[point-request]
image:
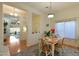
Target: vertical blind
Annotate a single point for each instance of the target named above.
(66, 29)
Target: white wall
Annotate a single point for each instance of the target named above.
(3, 49)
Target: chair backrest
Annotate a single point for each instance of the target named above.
(44, 45)
(61, 43)
(41, 43)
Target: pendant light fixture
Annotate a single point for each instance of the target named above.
(50, 14)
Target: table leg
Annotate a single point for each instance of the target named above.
(52, 49)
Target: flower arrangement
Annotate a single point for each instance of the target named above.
(50, 32)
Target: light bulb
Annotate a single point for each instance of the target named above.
(11, 13)
(50, 16)
(18, 21)
(15, 14)
(24, 29)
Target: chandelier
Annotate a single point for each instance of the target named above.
(50, 14)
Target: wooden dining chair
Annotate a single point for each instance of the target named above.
(45, 47)
(60, 45)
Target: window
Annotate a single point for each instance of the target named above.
(66, 29)
(60, 29)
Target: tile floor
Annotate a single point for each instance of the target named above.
(34, 51)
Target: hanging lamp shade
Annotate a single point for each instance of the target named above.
(50, 14)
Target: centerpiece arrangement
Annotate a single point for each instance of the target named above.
(51, 32)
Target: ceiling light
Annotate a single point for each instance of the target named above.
(11, 13)
(18, 22)
(24, 29)
(16, 14)
(50, 14)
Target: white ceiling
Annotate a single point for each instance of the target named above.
(56, 6)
